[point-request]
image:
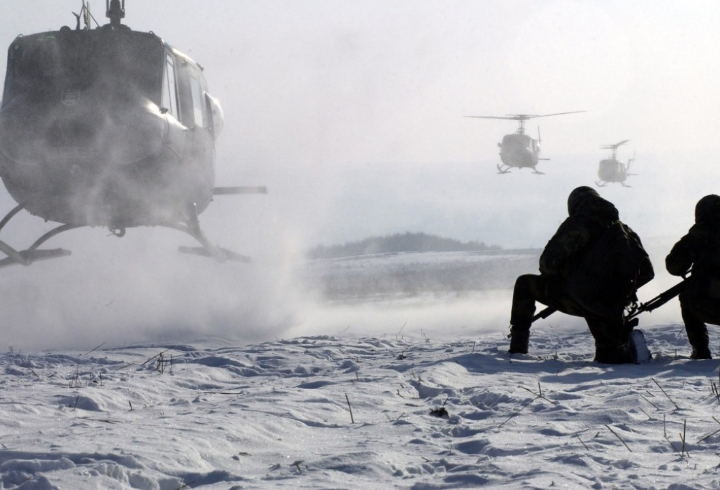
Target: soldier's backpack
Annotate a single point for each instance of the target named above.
(604, 280)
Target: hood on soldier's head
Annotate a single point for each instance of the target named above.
(585, 200)
(579, 197)
(707, 208)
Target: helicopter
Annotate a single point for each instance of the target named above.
(108, 127)
(520, 150)
(611, 169)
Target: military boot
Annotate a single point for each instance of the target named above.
(616, 353)
(697, 334)
(608, 354)
(519, 338)
(701, 352)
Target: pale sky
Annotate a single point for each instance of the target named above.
(351, 112)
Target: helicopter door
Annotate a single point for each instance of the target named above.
(216, 115)
(203, 137)
(199, 147)
(198, 115)
(199, 144)
(176, 131)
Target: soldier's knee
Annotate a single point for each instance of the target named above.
(526, 281)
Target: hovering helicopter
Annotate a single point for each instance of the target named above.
(520, 150)
(613, 170)
(108, 127)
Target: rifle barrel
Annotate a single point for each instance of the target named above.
(659, 300)
(650, 305)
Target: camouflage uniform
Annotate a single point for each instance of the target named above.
(699, 249)
(588, 215)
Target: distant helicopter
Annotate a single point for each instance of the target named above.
(518, 149)
(611, 169)
(108, 127)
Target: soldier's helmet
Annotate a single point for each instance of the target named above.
(579, 197)
(707, 208)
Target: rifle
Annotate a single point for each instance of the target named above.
(543, 314)
(636, 310)
(657, 301)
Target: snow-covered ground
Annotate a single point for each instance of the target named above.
(389, 393)
(212, 415)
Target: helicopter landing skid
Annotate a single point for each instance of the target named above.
(33, 254)
(502, 171)
(227, 254)
(191, 226)
(207, 249)
(28, 257)
(538, 172)
(600, 184)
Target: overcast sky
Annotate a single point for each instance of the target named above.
(352, 111)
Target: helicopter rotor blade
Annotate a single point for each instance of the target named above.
(613, 147)
(561, 113)
(533, 116)
(512, 117)
(494, 117)
(524, 117)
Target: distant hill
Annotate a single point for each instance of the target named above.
(399, 242)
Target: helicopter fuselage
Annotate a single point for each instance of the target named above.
(106, 127)
(519, 150)
(612, 170)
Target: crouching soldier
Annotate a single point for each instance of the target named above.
(699, 249)
(591, 268)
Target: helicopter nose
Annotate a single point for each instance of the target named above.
(85, 134)
(117, 138)
(70, 133)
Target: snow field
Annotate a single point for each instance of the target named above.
(275, 415)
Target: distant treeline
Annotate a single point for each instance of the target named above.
(399, 242)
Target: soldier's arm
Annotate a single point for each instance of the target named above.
(685, 252)
(646, 273)
(572, 236)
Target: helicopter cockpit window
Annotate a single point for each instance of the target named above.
(197, 101)
(528, 142)
(169, 89)
(32, 67)
(116, 65)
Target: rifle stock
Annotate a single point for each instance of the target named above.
(543, 314)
